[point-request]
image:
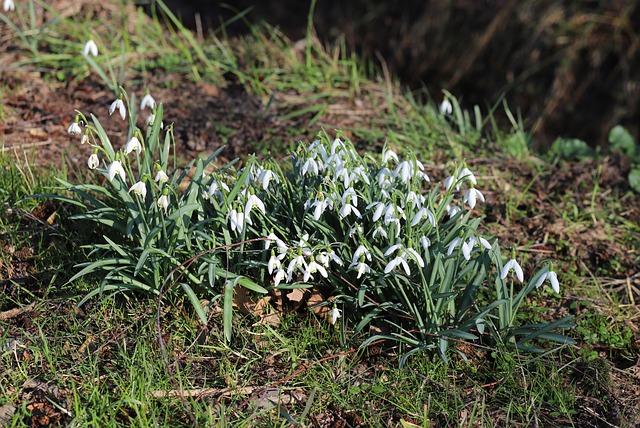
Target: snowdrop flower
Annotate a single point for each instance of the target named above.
(147, 101)
(449, 181)
(358, 173)
(349, 203)
(421, 214)
(446, 107)
(415, 199)
(253, 201)
(151, 118)
(89, 48)
(466, 174)
(265, 176)
(274, 263)
(379, 209)
(362, 268)
(425, 242)
(74, 129)
(379, 231)
(553, 279)
(93, 161)
(327, 256)
(404, 170)
(303, 245)
(279, 243)
(334, 315)
(280, 275)
(236, 220)
(310, 165)
(214, 188)
(473, 241)
(312, 268)
(471, 195)
(116, 168)
(459, 242)
(401, 258)
(452, 210)
(297, 263)
(133, 145)
(118, 104)
(85, 138)
(388, 155)
(512, 264)
(161, 177)
(163, 202)
(139, 189)
(361, 253)
(8, 5)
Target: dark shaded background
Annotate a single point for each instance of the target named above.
(570, 67)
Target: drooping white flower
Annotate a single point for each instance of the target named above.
(471, 196)
(553, 279)
(334, 315)
(282, 247)
(459, 242)
(349, 203)
(378, 211)
(274, 263)
(398, 260)
(89, 48)
(310, 165)
(468, 175)
(151, 118)
(298, 263)
(236, 220)
(93, 161)
(450, 181)
(8, 5)
(74, 129)
(116, 168)
(161, 177)
(446, 107)
(280, 275)
(312, 268)
(133, 145)
(214, 188)
(265, 176)
(401, 258)
(388, 155)
(118, 104)
(404, 170)
(379, 230)
(425, 242)
(327, 256)
(84, 139)
(360, 254)
(416, 200)
(163, 202)
(253, 201)
(479, 240)
(452, 210)
(512, 265)
(139, 189)
(362, 268)
(421, 214)
(147, 101)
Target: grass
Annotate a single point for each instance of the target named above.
(102, 364)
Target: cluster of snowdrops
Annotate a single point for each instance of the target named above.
(383, 242)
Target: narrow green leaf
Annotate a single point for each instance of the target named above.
(195, 302)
